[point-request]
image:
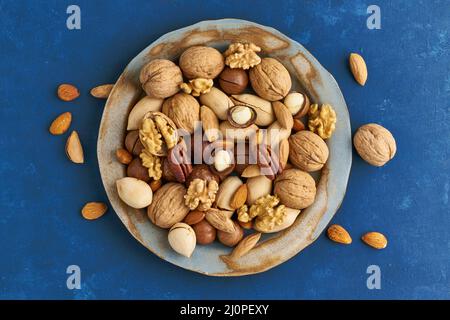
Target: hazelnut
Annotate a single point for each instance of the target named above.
(201, 171)
(204, 232)
(167, 173)
(161, 78)
(295, 188)
(201, 62)
(375, 144)
(230, 239)
(233, 81)
(137, 170)
(307, 151)
(241, 116)
(184, 110)
(133, 144)
(297, 103)
(270, 79)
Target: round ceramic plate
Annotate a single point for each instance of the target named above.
(308, 76)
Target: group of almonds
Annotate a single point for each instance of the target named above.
(375, 145)
(74, 149)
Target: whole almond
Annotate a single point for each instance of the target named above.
(194, 217)
(245, 245)
(93, 210)
(298, 125)
(375, 239)
(123, 156)
(220, 220)
(283, 153)
(283, 115)
(68, 92)
(155, 184)
(358, 68)
(338, 234)
(61, 124)
(210, 123)
(74, 150)
(239, 198)
(102, 92)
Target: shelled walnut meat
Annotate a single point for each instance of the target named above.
(249, 170)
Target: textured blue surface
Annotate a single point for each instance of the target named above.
(41, 192)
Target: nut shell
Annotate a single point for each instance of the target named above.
(230, 239)
(135, 193)
(161, 78)
(182, 239)
(295, 188)
(307, 151)
(233, 81)
(375, 144)
(201, 62)
(168, 205)
(204, 232)
(136, 170)
(133, 144)
(184, 110)
(270, 79)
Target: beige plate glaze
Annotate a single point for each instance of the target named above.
(308, 75)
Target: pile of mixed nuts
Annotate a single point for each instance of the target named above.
(219, 145)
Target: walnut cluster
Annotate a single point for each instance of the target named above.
(158, 133)
(242, 55)
(322, 120)
(265, 211)
(197, 86)
(201, 194)
(152, 163)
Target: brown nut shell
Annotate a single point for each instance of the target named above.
(161, 78)
(270, 79)
(168, 207)
(203, 172)
(230, 239)
(133, 144)
(136, 170)
(201, 62)
(233, 81)
(295, 188)
(375, 144)
(307, 151)
(183, 109)
(204, 232)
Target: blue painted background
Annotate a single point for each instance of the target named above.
(41, 192)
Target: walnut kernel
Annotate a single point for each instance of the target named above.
(152, 163)
(201, 194)
(197, 86)
(242, 55)
(322, 120)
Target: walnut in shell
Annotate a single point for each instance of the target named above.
(375, 144)
(184, 111)
(295, 188)
(161, 78)
(201, 62)
(168, 207)
(307, 151)
(270, 79)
